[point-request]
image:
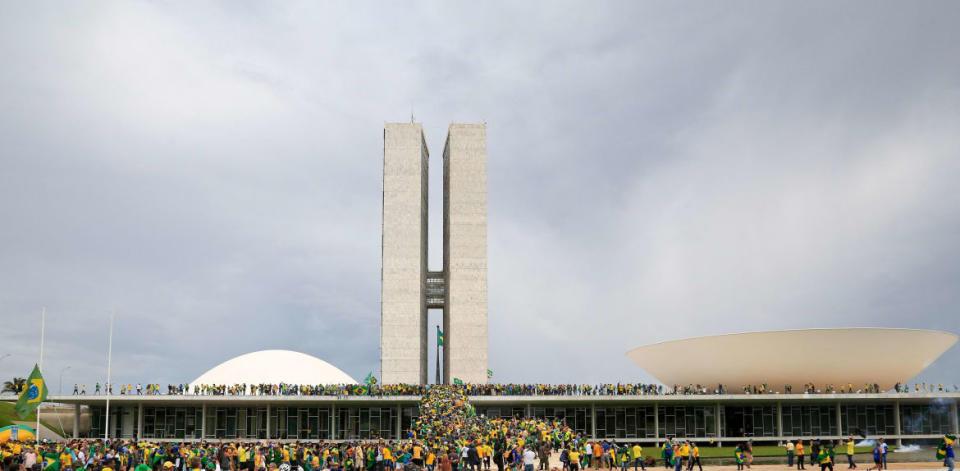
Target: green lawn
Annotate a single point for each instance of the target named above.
(8, 416)
(760, 450)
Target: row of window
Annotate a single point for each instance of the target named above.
(611, 422)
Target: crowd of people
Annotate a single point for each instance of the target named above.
(490, 389)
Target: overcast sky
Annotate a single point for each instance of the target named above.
(212, 171)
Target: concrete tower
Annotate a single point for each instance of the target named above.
(403, 309)
(407, 288)
(465, 253)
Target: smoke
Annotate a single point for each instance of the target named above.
(907, 449)
(941, 406)
(867, 442)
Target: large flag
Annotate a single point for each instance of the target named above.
(51, 461)
(33, 394)
(944, 443)
(370, 379)
(439, 337)
(489, 374)
(457, 381)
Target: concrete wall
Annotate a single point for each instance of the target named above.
(62, 417)
(403, 322)
(465, 253)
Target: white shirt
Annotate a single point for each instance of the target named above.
(528, 457)
(29, 458)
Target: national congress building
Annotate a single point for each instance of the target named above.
(409, 289)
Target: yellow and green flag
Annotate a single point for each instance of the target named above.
(947, 441)
(439, 337)
(33, 394)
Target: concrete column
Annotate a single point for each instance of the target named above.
(140, 421)
(656, 423)
(718, 426)
(529, 410)
(203, 421)
(593, 420)
(333, 422)
(839, 421)
(953, 417)
(76, 420)
(399, 422)
(896, 422)
(780, 421)
(268, 421)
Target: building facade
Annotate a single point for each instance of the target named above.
(408, 289)
(646, 419)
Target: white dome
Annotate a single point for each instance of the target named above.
(274, 367)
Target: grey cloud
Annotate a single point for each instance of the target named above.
(657, 170)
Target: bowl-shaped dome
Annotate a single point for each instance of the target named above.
(274, 367)
(837, 357)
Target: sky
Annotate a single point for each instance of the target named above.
(211, 172)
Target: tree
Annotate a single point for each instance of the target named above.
(14, 386)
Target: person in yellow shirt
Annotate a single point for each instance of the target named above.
(850, 450)
(677, 459)
(66, 459)
(431, 459)
(258, 460)
(574, 456)
(637, 454)
(694, 457)
(243, 457)
(387, 458)
(417, 455)
(800, 453)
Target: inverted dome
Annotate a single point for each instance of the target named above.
(838, 357)
(274, 367)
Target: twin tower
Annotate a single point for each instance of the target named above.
(408, 288)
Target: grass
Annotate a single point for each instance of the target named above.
(707, 451)
(8, 416)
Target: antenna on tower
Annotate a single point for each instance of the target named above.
(411, 114)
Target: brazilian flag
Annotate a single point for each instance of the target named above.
(371, 379)
(439, 337)
(51, 461)
(457, 381)
(362, 391)
(942, 448)
(33, 394)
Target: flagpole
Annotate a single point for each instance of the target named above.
(106, 419)
(438, 354)
(43, 325)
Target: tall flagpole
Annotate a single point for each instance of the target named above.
(43, 324)
(438, 355)
(106, 419)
